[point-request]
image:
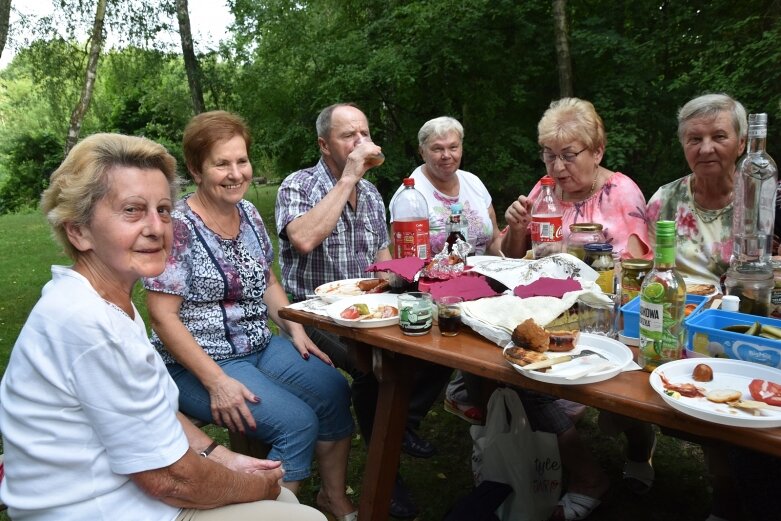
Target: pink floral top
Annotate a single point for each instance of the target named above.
(619, 206)
(704, 241)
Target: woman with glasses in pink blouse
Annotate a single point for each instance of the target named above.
(572, 137)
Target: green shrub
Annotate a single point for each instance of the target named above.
(28, 161)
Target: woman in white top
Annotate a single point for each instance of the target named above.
(88, 412)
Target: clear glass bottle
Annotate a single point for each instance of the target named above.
(581, 234)
(662, 304)
(410, 226)
(546, 225)
(750, 275)
(456, 228)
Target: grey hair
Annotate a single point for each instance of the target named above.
(439, 127)
(323, 123)
(710, 105)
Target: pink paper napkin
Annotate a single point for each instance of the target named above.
(467, 286)
(547, 287)
(406, 268)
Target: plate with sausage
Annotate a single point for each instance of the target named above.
(339, 289)
(727, 392)
(365, 311)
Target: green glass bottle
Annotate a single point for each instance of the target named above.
(662, 304)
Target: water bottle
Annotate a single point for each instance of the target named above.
(546, 225)
(456, 228)
(409, 212)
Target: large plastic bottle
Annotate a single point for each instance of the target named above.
(546, 226)
(409, 211)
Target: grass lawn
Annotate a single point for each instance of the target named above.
(681, 491)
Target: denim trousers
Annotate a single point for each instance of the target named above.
(301, 401)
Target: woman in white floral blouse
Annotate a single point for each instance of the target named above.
(712, 130)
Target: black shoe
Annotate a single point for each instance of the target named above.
(402, 505)
(416, 446)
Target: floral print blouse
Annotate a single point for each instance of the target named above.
(222, 282)
(704, 243)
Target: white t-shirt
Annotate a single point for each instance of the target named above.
(85, 401)
(475, 200)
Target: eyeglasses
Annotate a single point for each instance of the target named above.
(567, 157)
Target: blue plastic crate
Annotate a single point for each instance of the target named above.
(704, 337)
(631, 313)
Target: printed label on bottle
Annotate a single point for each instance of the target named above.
(546, 228)
(411, 239)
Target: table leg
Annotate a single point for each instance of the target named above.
(390, 418)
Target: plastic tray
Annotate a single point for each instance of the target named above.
(631, 313)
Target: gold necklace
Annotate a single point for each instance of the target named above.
(221, 232)
(707, 215)
(590, 192)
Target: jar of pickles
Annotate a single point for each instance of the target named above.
(632, 274)
(581, 234)
(599, 255)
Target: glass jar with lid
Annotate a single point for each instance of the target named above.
(632, 274)
(581, 234)
(599, 255)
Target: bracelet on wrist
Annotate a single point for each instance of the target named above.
(208, 450)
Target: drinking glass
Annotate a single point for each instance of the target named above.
(598, 315)
(449, 315)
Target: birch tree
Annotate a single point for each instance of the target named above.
(188, 53)
(5, 13)
(96, 44)
(563, 57)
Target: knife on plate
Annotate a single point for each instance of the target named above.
(560, 360)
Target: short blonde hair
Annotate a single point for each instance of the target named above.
(439, 127)
(81, 180)
(572, 119)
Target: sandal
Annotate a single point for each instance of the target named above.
(639, 475)
(577, 506)
(466, 412)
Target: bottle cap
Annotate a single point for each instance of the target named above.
(547, 181)
(730, 302)
(757, 119)
(408, 181)
(455, 208)
(665, 230)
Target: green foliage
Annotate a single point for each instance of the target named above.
(28, 162)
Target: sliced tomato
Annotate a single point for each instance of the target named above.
(350, 313)
(764, 391)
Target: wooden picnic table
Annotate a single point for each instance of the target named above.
(391, 353)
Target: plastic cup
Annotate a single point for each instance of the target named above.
(449, 315)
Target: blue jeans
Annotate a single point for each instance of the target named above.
(301, 401)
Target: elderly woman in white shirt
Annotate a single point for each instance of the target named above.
(89, 414)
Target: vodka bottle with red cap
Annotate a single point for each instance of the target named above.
(409, 216)
(546, 225)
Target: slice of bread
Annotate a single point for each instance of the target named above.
(723, 395)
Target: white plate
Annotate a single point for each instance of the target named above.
(339, 289)
(372, 300)
(727, 374)
(617, 354)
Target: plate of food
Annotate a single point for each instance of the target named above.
(365, 311)
(565, 357)
(727, 392)
(697, 288)
(339, 289)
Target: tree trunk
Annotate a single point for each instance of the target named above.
(190, 61)
(77, 116)
(563, 58)
(5, 14)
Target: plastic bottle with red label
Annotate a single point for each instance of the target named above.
(546, 225)
(410, 227)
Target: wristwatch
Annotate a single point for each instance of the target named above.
(208, 450)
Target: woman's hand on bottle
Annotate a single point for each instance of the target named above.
(518, 214)
(229, 399)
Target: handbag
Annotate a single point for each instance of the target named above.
(507, 450)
